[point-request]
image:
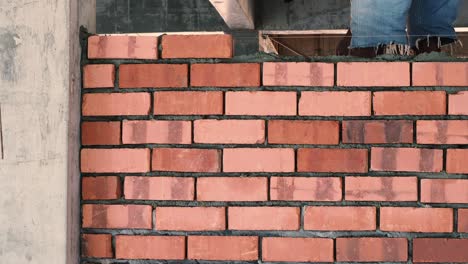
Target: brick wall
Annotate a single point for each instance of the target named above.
(221, 160)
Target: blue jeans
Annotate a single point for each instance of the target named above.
(378, 22)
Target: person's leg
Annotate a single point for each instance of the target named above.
(375, 23)
(431, 23)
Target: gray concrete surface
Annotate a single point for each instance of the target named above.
(39, 101)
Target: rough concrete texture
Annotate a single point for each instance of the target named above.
(39, 87)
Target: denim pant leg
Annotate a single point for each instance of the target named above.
(432, 18)
(376, 22)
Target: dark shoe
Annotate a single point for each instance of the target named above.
(431, 44)
(342, 49)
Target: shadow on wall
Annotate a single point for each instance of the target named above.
(8, 44)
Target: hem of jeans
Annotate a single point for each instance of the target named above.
(388, 49)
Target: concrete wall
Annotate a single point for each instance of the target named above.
(39, 98)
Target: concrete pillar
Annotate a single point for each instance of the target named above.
(39, 104)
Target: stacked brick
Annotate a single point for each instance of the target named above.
(272, 161)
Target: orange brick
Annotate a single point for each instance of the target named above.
(456, 161)
(410, 103)
(305, 189)
(298, 74)
(438, 250)
(98, 76)
(303, 132)
(229, 189)
(153, 75)
(225, 75)
(408, 219)
(263, 218)
(186, 160)
(297, 249)
(229, 131)
(381, 189)
(440, 74)
(335, 104)
(117, 216)
(157, 132)
(444, 191)
(370, 249)
(442, 132)
(188, 103)
(331, 218)
(372, 74)
(457, 103)
(101, 188)
(197, 46)
(261, 103)
(332, 160)
(122, 47)
(150, 247)
(463, 220)
(100, 133)
(116, 104)
(377, 132)
(406, 159)
(159, 188)
(96, 246)
(115, 160)
(242, 248)
(190, 218)
(258, 160)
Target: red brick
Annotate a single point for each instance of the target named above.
(408, 219)
(406, 159)
(159, 188)
(305, 189)
(225, 75)
(332, 160)
(188, 103)
(335, 104)
(463, 220)
(444, 191)
(457, 103)
(153, 75)
(440, 74)
(115, 160)
(186, 160)
(116, 104)
(96, 246)
(370, 249)
(437, 250)
(264, 218)
(197, 46)
(377, 132)
(456, 161)
(100, 133)
(150, 247)
(157, 132)
(229, 131)
(382, 189)
(410, 103)
(229, 189)
(117, 216)
(331, 218)
(261, 103)
(442, 132)
(303, 132)
(297, 249)
(242, 248)
(371, 74)
(298, 74)
(98, 76)
(258, 160)
(122, 47)
(190, 218)
(101, 188)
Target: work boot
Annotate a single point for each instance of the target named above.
(342, 49)
(431, 44)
